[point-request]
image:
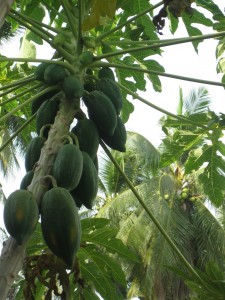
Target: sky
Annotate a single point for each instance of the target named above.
(181, 60)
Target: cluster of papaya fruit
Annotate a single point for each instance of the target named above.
(74, 173)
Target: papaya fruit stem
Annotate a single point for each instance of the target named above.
(51, 179)
(152, 217)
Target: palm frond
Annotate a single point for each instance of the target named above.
(197, 101)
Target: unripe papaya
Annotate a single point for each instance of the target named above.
(106, 72)
(101, 111)
(87, 188)
(60, 224)
(112, 91)
(86, 57)
(89, 42)
(20, 215)
(73, 87)
(47, 112)
(40, 70)
(118, 140)
(38, 101)
(68, 166)
(54, 74)
(33, 152)
(26, 180)
(88, 136)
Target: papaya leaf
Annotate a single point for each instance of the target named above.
(99, 10)
(88, 224)
(210, 158)
(93, 273)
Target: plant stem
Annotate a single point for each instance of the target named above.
(159, 108)
(167, 42)
(136, 69)
(14, 110)
(28, 79)
(157, 45)
(80, 17)
(70, 18)
(40, 60)
(154, 220)
(33, 23)
(14, 135)
(63, 52)
(21, 94)
(104, 35)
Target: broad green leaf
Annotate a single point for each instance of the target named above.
(94, 274)
(173, 22)
(89, 224)
(99, 10)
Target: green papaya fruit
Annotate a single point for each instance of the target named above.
(26, 180)
(38, 101)
(112, 91)
(33, 152)
(87, 189)
(101, 111)
(86, 57)
(40, 70)
(73, 87)
(54, 74)
(68, 166)
(47, 112)
(60, 224)
(118, 140)
(88, 136)
(20, 215)
(106, 72)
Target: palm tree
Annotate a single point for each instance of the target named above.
(177, 201)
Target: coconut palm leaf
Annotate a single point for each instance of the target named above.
(196, 102)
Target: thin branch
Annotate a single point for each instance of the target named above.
(14, 135)
(70, 18)
(18, 95)
(40, 60)
(79, 37)
(14, 110)
(104, 35)
(136, 69)
(159, 108)
(63, 52)
(33, 23)
(152, 217)
(157, 45)
(167, 42)
(21, 94)
(27, 80)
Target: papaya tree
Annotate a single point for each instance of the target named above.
(103, 53)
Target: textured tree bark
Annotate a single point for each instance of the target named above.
(4, 8)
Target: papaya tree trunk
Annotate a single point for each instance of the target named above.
(4, 8)
(11, 260)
